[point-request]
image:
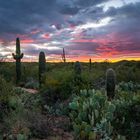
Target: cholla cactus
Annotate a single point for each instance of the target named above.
(42, 66)
(18, 56)
(110, 83)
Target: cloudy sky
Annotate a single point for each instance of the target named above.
(97, 29)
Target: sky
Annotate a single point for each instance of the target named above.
(97, 29)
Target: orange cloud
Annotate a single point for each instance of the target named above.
(35, 31)
(46, 36)
(27, 41)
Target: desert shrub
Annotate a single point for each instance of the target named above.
(29, 70)
(7, 70)
(58, 86)
(127, 116)
(57, 109)
(29, 101)
(31, 83)
(128, 71)
(39, 125)
(6, 92)
(16, 122)
(94, 117)
(130, 87)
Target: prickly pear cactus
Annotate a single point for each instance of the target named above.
(110, 83)
(42, 66)
(93, 116)
(18, 56)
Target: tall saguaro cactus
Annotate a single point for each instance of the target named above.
(64, 56)
(42, 66)
(110, 83)
(18, 56)
(77, 68)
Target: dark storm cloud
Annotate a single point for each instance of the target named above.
(20, 16)
(69, 10)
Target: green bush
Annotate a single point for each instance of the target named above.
(31, 83)
(6, 92)
(58, 86)
(130, 87)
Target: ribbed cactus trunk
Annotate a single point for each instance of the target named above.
(90, 64)
(18, 56)
(42, 67)
(77, 73)
(110, 83)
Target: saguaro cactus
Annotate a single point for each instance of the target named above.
(64, 56)
(77, 73)
(110, 83)
(42, 66)
(77, 68)
(18, 56)
(90, 64)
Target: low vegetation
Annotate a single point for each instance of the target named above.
(83, 101)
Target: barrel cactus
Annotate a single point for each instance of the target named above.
(18, 56)
(110, 83)
(42, 66)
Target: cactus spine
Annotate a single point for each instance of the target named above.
(110, 83)
(64, 56)
(42, 67)
(18, 56)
